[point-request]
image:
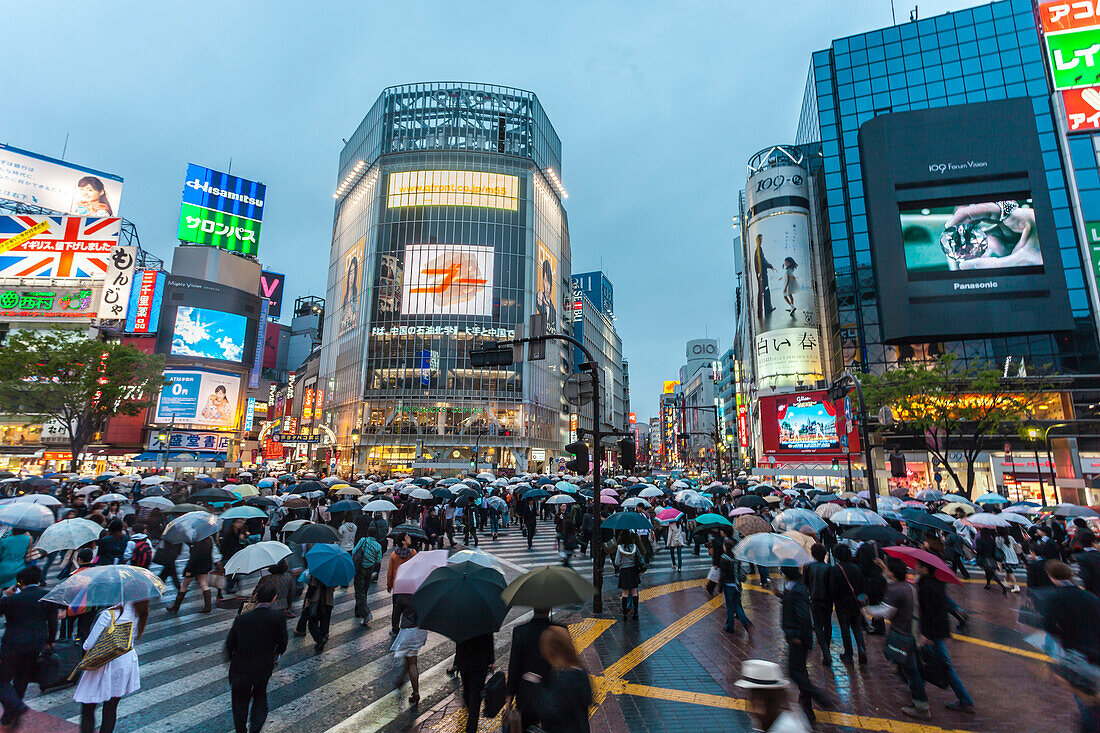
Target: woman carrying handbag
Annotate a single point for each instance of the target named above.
(118, 628)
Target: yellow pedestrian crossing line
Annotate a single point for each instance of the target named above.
(647, 648)
(1003, 648)
(647, 594)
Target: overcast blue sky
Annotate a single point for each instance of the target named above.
(658, 106)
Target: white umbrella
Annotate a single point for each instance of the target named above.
(153, 480)
(650, 492)
(379, 505)
(855, 516)
(680, 485)
(486, 476)
(109, 498)
(294, 525)
(43, 499)
(985, 519)
(561, 499)
(419, 493)
(68, 534)
(1014, 518)
(85, 490)
(476, 557)
(332, 480)
(257, 557)
(24, 515)
(156, 502)
(635, 501)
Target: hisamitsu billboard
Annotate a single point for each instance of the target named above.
(220, 210)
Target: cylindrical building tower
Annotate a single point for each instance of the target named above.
(448, 232)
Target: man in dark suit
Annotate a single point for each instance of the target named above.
(818, 581)
(473, 658)
(1088, 563)
(526, 667)
(30, 627)
(255, 642)
(847, 586)
(1072, 616)
(797, 624)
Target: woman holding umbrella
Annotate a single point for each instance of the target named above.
(401, 554)
(626, 564)
(198, 568)
(108, 684)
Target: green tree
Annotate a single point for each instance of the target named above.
(956, 409)
(78, 381)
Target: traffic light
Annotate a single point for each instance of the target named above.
(579, 465)
(628, 457)
(491, 355)
(897, 465)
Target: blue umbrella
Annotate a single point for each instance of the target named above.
(244, 512)
(266, 483)
(991, 498)
(626, 520)
(346, 505)
(330, 565)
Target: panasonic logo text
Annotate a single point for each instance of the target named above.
(976, 286)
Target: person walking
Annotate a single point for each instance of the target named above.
(527, 667)
(406, 647)
(231, 540)
(565, 691)
(469, 524)
(13, 555)
(256, 641)
(401, 554)
(675, 541)
(899, 605)
(818, 578)
(731, 575)
(316, 615)
(530, 521)
(111, 548)
(847, 589)
(473, 658)
(198, 568)
(1070, 615)
(627, 562)
(367, 558)
(1088, 564)
(283, 585)
(1007, 551)
(29, 627)
(955, 548)
(769, 703)
(797, 625)
(986, 550)
(935, 629)
(166, 555)
(108, 684)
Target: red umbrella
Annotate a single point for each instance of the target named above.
(913, 555)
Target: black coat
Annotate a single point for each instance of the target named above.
(846, 582)
(797, 621)
(1072, 616)
(932, 600)
(818, 576)
(255, 640)
(1088, 566)
(563, 705)
(526, 657)
(29, 624)
(474, 654)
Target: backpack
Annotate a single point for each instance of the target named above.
(143, 554)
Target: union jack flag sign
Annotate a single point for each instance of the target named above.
(72, 246)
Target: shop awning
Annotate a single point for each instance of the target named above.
(177, 459)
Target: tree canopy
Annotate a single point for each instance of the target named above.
(79, 381)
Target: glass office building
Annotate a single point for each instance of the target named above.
(449, 232)
(987, 54)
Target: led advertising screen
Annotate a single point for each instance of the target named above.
(37, 180)
(57, 246)
(961, 226)
(453, 188)
(201, 397)
(806, 424)
(208, 334)
(447, 279)
(221, 210)
(208, 321)
(271, 287)
(954, 239)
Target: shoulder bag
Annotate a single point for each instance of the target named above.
(861, 599)
(116, 640)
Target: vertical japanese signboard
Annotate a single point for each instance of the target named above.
(115, 298)
(143, 313)
(786, 337)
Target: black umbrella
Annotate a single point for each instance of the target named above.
(441, 493)
(346, 505)
(409, 529)
(924, 519)
(262, 502)
(313, 534)
(469, 492)
(213, 494)
(718, 490)
(750, 500)
(535, 494)
(461, 601)
(155, 491)
(305, 486)
(802, 486)
(887, 536)
(422, 481)
(825, 498)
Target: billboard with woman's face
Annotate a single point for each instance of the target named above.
(351, 284)
(546, 286)
(37, 180)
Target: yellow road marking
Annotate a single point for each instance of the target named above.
(647, 594)
(586, 632)
(1002, 648)
(640, 653)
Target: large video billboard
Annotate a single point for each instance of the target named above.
(207, 321)
(221, 210)
(57, 246)
(787, 339)
(30, 178)
(453, 188)
(447, 279)
(200, 397)
(962, 232)
(806, 424)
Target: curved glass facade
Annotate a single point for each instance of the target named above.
(448, 234)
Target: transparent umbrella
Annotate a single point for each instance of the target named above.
(191, 527)
(796, 519)
(43, 499)
(68, 534)
(107, 585)
(23, 515)
(257, 557)
(379, 505)
(850, 517)
(771, 550)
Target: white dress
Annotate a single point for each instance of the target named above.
(118, 677)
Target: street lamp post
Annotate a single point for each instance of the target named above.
(1033, 433)
(867, 455)
(165, 439)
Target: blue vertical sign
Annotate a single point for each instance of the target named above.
(261, 333)
(250, 414)
(425, 368)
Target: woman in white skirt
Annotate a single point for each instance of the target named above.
(408, 643)
(118, 677)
